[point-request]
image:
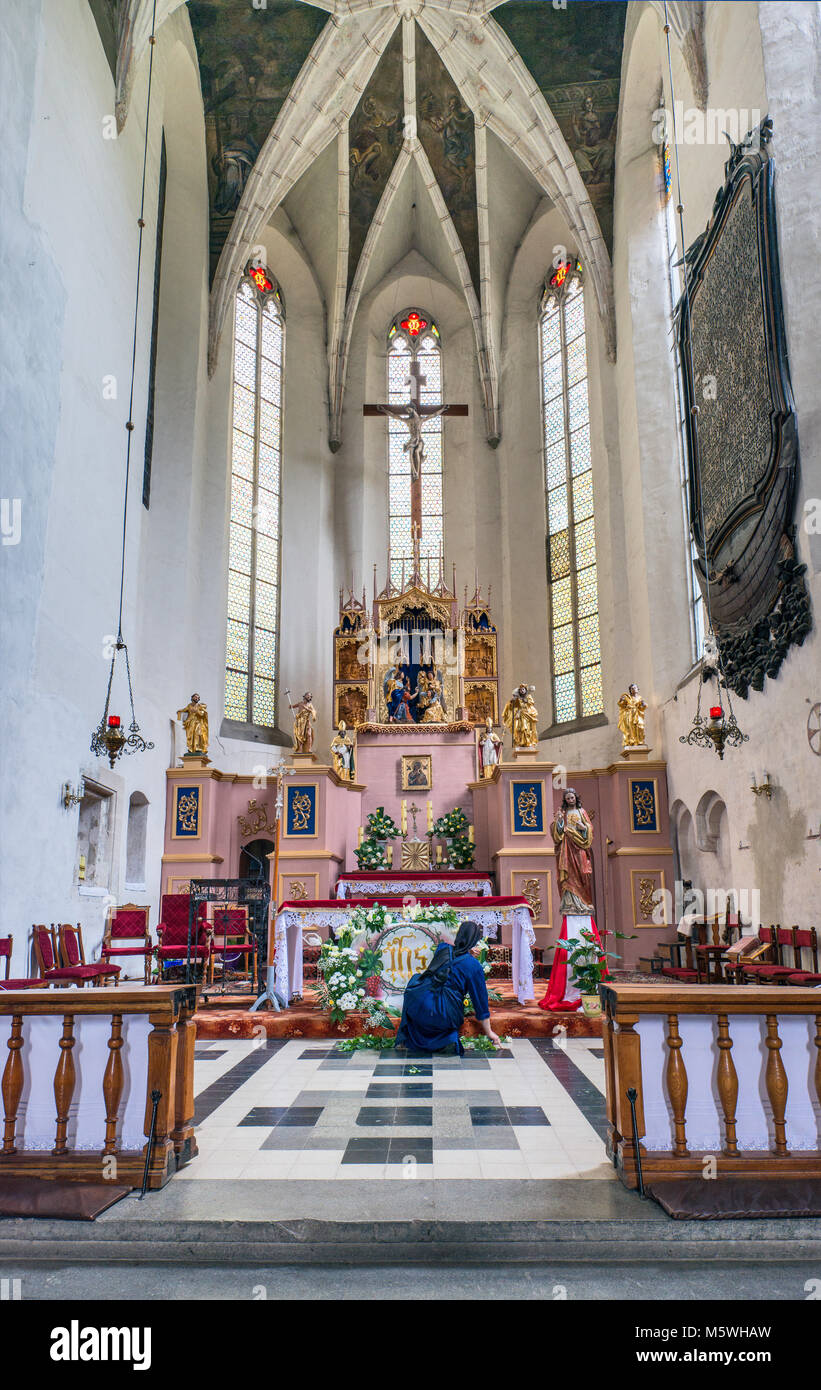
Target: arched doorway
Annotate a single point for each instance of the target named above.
(253, 859)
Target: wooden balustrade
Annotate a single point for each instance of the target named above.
(646, 1046)
(168, 1064)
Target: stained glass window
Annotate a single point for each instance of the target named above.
(414, 342)
(575, 652)
(256, 469)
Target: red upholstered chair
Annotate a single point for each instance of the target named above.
(73, 956)
(6, 943)
(128, 924)
(48, 960)
(805, 939)
(172, 932)
(231, 939)
(674, 970)
(769, 969)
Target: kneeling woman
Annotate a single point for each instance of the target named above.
(433, 1009)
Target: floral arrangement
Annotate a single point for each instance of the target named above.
(380, 826)
(369, 920)
(587, 958)
(446, 917)
(370, 855)
(461, 853)
(453, 825)
(340, 978)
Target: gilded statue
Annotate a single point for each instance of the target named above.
(342, 752)
(631, 718)
(521, 717)
(490, 749)
(572, 833)
(304, 720)
(194, 718)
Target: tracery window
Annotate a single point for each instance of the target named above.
(256, 471)
(575, 651)
(414, 374)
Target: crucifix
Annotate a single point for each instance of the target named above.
(414, 414)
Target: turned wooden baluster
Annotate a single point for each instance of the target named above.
(727, 1083)
(818, 1057)
(12, 1083)
(777, 1085)
(677, 1085)
(113, 1083)
(64, 1081)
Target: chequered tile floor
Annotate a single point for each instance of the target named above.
(295, 1109)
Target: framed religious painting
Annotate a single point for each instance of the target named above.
(417, 772)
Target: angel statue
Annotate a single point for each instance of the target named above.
(342, 752)
(490, 749)
(304, 720)
(521, 717)
(631, 718)
(194, 718)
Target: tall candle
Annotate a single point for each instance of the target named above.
(430, 815)
(404, 820)
(438, 854)
(470, 835)
(389, 853)
(360, 837)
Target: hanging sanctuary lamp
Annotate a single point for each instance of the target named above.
(720, 729)
(110, 739)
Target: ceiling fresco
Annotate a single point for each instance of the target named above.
(249, 59)
(375, 136)
(574, 55)
(447, 136)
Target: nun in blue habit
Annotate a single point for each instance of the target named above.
(433, 1007)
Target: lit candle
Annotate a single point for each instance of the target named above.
(404, 818)
(470, 835)
(114, 721)
(430, 815)
(360, 837)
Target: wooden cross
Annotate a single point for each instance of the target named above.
(414, 414)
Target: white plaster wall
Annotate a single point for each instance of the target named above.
(765, 57)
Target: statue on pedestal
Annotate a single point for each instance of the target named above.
(304, 720)
(342, 752)
(194, 718)
(631, 718)
(521, 717)
(430, 697)
(490, 749)
(572, 833)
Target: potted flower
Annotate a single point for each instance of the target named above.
(587, 961)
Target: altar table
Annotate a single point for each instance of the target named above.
(376, 884)
(293, 918)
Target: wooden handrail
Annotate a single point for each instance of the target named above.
(626, 1006)
(168, 1010)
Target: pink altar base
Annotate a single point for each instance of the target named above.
(209, 822)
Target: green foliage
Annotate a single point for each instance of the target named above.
(461, 853)
(380, 826)
(588, 960)
(483, 1044)
(454, 825)
(370, 856)
(366, 1042)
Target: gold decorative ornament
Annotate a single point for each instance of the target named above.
(297, 892)
(644, 805)
(527, 804)
(416, 855)
(531, 890)
(256, 821)
(521, 717)
(301, 807)
(188, 806)
(194, 718)
(647, 896)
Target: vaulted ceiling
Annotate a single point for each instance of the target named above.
(385, 126)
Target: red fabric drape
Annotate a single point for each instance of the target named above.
(560, 999)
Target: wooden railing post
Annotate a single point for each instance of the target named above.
(113, 1083)
(162, 1075)
(777, 1085)
(182, 1135)
(817, 1057)
(677, 1085)
(727, 1081)
(626, 1075)
(64, 1082)
(12, 1083)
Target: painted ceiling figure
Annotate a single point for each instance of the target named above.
(367, 146)
(594, 152)
(232, 168)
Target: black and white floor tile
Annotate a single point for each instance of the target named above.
(304, 1110)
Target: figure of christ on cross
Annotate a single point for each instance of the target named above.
(414, 414)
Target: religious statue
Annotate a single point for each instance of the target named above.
(631, 718)
(572, 833)
(342, 752)
(194, 718)
(490, 749)
(430, 697)
(304, 720)
(398, 696)
(521, 716)
(414, 418)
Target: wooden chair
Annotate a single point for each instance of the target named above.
(128, 923)
(47, 956)
(769, 968)
(73, 956)
(805, 939)
(172, 933)
(6, 943)
(674, 970)
(231, 939)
